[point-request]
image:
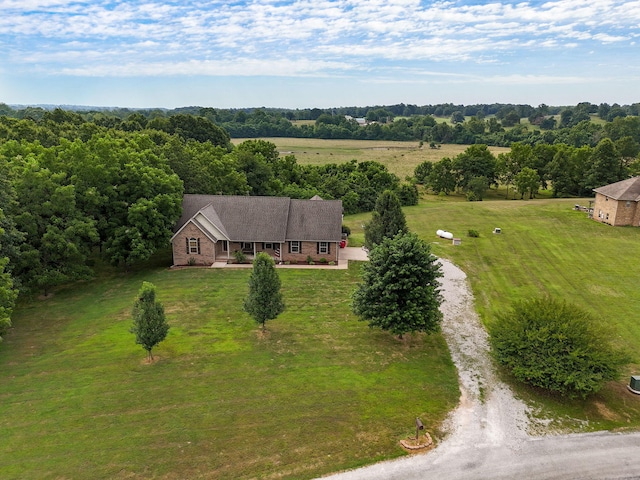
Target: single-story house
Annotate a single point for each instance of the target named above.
(617, 203)
(213, 227)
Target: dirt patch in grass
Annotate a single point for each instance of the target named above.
(151, 361)
(605, 412)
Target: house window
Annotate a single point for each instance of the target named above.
(294, 246)
(323, 248)
(628, 204)
(193, 246)
(225, 246)
(267, 246)
(247, 246)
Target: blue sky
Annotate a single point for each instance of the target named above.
(317, 53)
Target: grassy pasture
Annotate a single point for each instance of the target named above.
(319, 393)
(545, 247)
(400, 158)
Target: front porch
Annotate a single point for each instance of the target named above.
(348, 253)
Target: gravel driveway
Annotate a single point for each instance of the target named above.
(488, 434)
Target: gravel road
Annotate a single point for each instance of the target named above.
(489, 433)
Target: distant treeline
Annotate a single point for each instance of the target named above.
(495, 124)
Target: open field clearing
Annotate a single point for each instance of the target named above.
(400, 158)
(545, 247)
(318, 393)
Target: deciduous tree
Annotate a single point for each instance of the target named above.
(149, 322)
(442, 177)
(7, 297)
(527, 181)
(264, 300)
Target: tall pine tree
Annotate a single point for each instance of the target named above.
(387, 220)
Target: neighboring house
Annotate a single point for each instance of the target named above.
(213, 227)
(617, 203)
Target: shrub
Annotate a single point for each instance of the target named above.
(191, 262)
(346, 230)
(323, 260)
(310, 260)
(556, 346)
(239, 256)
(473, 233)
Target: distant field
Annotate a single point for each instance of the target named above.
(400, 158)
(545, 247)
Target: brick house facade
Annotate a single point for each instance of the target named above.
(213, 227)
(617, 204)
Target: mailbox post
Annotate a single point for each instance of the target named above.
(419, 426)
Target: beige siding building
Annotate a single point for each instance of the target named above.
(617, 204)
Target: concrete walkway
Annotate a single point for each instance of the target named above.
(348, 253)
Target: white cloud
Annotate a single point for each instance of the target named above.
(239, 67)
(316, 35)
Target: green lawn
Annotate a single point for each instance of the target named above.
(321, 391)
(545, 247)
(318, 393)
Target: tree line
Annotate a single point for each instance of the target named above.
(496, 124)
(565, 169)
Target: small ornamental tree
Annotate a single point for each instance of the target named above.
(264, 301)
(386, 220)
(149, 323)
(557, 346)
(400, 291)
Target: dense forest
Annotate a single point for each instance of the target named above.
(76, 184)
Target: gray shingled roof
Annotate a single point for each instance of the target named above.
(267, 219)
(624, 190)
(315, 220)
(253, 219)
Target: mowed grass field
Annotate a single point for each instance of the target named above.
(320, 392)
(546, 247)
(400, 158)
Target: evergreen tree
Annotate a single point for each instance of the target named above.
(399, 290)
(264, 301)
(149, 322)
(387, 220)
